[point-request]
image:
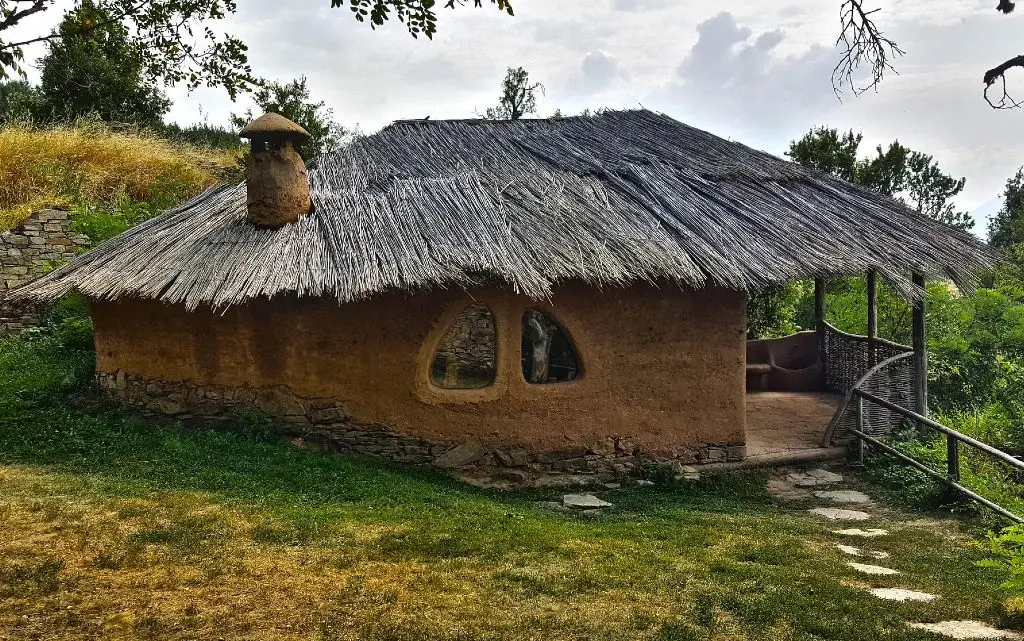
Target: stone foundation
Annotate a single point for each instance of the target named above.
(324, 424)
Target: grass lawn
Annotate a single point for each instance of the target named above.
(115, 529)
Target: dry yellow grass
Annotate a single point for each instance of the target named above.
(89, 162)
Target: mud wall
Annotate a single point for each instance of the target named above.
(662, 369)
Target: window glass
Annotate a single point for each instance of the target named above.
(548, 354)
(466, 357)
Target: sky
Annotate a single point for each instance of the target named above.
(754, 71)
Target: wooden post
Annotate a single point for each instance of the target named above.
(952, 458)
(872, 317)
(920, 352)
(860, 428)
(819, 325)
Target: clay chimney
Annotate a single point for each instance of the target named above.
(277, 189)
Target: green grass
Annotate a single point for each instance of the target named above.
(114, 528)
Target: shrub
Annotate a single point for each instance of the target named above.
(89, 163)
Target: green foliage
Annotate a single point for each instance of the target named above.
(910, 176)
(203, 135)
(826, 150)
(292, 101)
(518, 96)
(95, 67)
(19, 101)
(773, 312)
(417, 15)
(1006, 228)
(102, 222)
(1008, 548)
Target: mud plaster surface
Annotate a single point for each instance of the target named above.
(663, 368)
(785, 422)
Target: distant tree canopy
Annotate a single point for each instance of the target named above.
(518, 96)
(95, 67)
(292, 100)
(177, 43)
(910, 176)
(1006, 228)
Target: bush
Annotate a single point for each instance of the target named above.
(90, 163)
(1008, 549)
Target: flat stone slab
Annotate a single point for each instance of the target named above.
(584, 502)
(856, 551)
(899, 594)
(869, 533)
(966, 630)
(786, 491)
(814, 478)
(872, 569)
(837, 514)
(844, 496)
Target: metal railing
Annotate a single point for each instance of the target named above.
(953, 441)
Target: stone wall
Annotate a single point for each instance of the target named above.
(325, 424)
(34, 247)
(466, 356)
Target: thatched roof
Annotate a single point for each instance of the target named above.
(610, 199)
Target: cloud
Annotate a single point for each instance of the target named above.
(735, 81)
(642, 5)
(599, 70)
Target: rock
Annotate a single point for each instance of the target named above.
(686, 472)
(783, 489)
(899, 594)
(165, 406)
(584, 502)
(855, 551)
(872, 569)
(566, 480)
(277, 401)
(966, 630)
(612, 486)
(836, 514)
(644, 483)
(844, 496)
(814, 478)
(460, 455)
(868, 533)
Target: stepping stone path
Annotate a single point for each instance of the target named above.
(869, 533)
(584, 502)
(966, 630)
(814, 478)
(844, 496)
(872, 569)
(836, 514)
(855, 551)
(789, 489)
(899, 594)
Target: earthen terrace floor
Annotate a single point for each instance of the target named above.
(788, 424)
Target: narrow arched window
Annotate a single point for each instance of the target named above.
(548, 354)
(465, 359)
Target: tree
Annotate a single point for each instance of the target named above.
(95, 67)
(1006, 228)
(518, 96)
(864, 44)
(179, 45)
(910, 176)
(292, 101)
(18, 101)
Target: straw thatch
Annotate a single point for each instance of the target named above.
(615, 198)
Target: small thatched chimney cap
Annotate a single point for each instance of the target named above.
(273, 126)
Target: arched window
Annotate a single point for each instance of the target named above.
(548, 354)
(465, 359)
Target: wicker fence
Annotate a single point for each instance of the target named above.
(881, 367)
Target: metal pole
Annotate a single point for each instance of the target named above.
(872, 317)
(819, 325)
(920, 351)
